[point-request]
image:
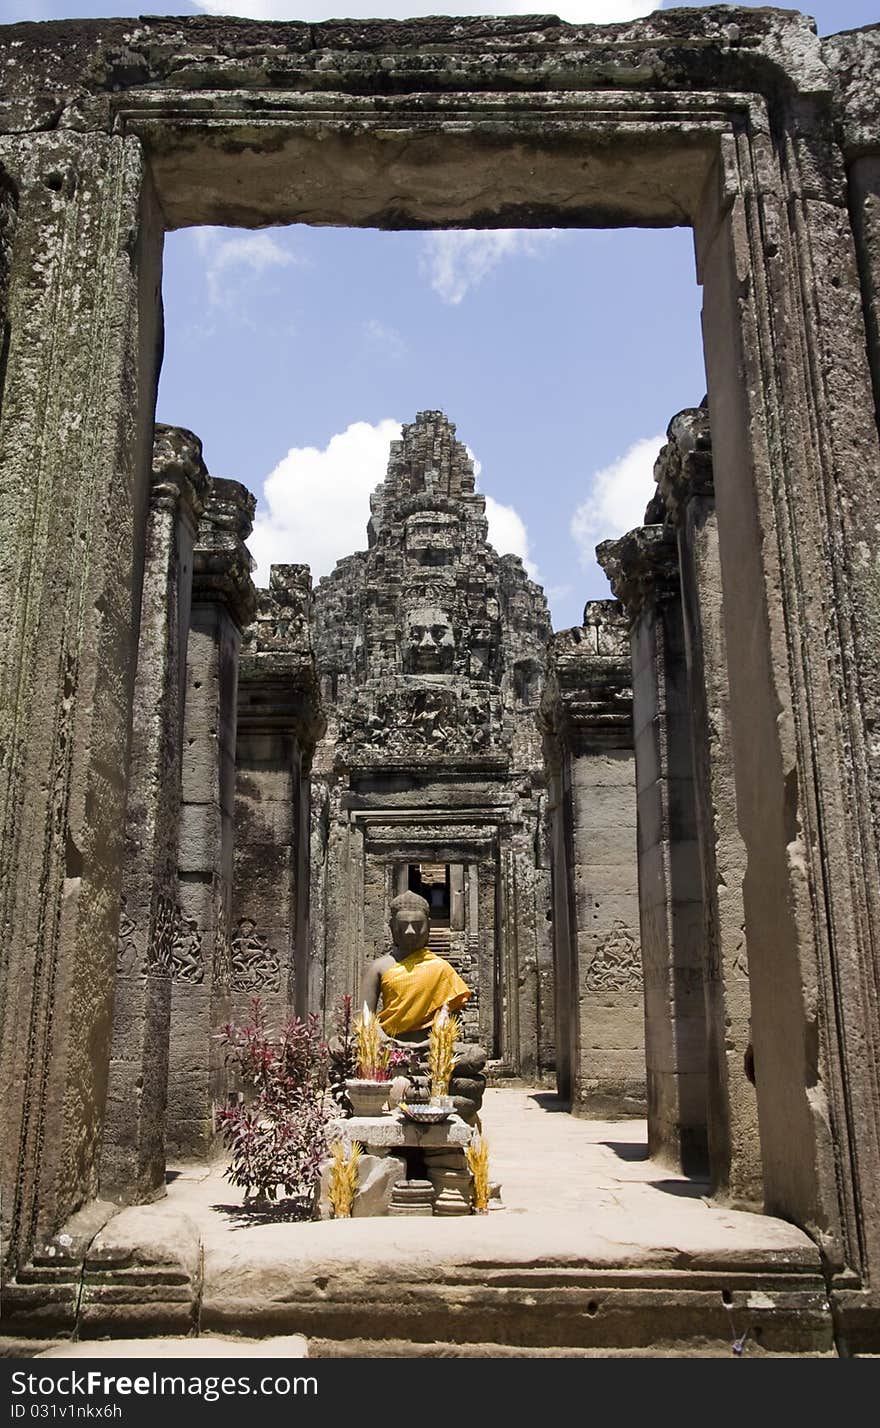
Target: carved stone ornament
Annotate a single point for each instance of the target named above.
(617, 964)
(126, 948)
(221, 968)
(187, 961)
(160, 949)
(416, 720)
(256, 965)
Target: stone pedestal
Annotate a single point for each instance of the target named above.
(133, 1158)
(586, 715)
(446, 1191)
(223, 602)
(412, 1197)
(643, 568)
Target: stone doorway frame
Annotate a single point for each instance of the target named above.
(724, 126)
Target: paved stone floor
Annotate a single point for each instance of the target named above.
(582, 1206)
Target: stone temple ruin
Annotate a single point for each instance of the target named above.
(650, 842)
(430, 651)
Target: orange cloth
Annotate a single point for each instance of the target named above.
(414, 990)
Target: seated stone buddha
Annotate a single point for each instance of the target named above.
(413, 983)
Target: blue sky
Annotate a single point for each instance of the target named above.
(296, 352)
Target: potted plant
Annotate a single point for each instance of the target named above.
(368, 1088)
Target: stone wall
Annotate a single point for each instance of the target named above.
(686, 500)
(222, 604)
(76, 432)
(278, 720)
(586, 713)
(643, 567)
(154, 931)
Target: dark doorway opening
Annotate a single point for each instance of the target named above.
(431, 881)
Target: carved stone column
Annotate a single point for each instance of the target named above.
(78, 355)
(643, 569)
(684, 475)
(133, 1157)
(586, 716)
(223, 603)
(279, 722)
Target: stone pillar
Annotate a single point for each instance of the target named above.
(133, 1156)
(8, 216)
(278, 723)
(484, 876)
(586, 717)
(863, 188)
(80, 351)
(684, 475)
(643, 568)
(223, 602)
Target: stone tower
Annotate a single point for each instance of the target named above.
(430, 651)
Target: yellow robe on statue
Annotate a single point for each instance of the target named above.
(414, 990)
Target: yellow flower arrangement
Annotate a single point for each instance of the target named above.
(441, 1050)
(372, 1053)
(344, 1177)
(477, 1157)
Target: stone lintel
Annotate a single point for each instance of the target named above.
(440, 768)
(683, 469)
(221, 560)
(642, 567)
(179, 477)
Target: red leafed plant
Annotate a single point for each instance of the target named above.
(278, 1139)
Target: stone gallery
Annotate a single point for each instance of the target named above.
(647, 846)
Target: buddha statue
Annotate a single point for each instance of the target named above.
(412, 983)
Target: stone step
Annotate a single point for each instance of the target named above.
(408, 1349)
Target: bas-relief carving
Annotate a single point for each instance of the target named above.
(126, 947)
(616, 965)
(256, 965)
(175, 949)
(160, 947)
(222, 957)
(187, 964)
(414, 720)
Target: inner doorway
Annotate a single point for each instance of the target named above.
(432, 882)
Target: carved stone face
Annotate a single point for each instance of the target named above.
(432, 539)
(430, 643)
(410, 926)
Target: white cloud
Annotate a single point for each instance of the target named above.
(618, 497)
(508, 533)
(576, 11)
(457, 260)
(227, 257)
(383, 340)
(316, 503)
